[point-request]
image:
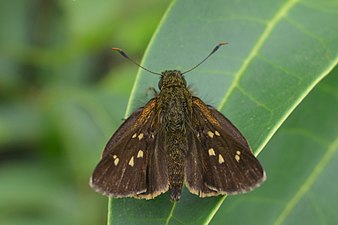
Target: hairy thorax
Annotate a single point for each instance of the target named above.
(176, 107)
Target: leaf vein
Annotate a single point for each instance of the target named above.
(280, 14)
(331, 150)
(251, 98)
(277, 66)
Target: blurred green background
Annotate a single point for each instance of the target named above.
(59, 84)
(63, 92)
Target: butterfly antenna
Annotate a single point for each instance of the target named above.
(212, 52)
(127, 57)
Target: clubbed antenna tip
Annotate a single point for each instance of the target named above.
(212, 52)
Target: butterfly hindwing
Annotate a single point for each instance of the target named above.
(157, 172)
(130, 162)
(219, 160)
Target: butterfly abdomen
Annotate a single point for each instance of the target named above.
(175, 108)
(177, 145)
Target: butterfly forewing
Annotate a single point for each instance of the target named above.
(131, 162)
(219, 160)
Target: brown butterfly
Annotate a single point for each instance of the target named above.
(176, 138)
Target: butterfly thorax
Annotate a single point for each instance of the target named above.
(175, 102)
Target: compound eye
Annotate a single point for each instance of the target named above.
(185, 82)
(160, 83)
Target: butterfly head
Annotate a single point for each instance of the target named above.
(172, 78)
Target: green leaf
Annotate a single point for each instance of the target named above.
(301, 160)
(278, 52)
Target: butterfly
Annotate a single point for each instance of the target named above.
(174, 139)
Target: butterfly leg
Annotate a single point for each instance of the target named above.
(153, 90)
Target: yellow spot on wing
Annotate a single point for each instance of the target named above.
(220, 159)
(116, 161)
(211, 151)
(211, 134)
(140, 154)
(217, 133)
(237, 157)
(140, 136)
(238, 152)
(134, 135)
(114, 156)
(131, 161)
